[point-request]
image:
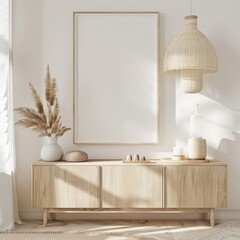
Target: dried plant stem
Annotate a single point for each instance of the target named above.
(49, 124)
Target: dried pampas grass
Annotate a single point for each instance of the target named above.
(45, 123)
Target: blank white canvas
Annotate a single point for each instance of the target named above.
(116, 78)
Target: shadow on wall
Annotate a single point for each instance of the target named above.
(230, 149)
(224, 86)
(222, 131)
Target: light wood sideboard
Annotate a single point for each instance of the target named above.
(112, 186)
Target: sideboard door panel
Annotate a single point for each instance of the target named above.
(196, 187)
(132, 186)
(66, 186)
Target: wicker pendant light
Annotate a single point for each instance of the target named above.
(190, 55)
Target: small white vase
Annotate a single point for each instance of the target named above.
(197, 148)
(51, 150)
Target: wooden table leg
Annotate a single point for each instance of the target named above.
(45, 216)
(212, 217)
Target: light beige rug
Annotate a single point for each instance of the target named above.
(57, 236)
(47, 236)
(70, 236)
(95, 230)
(125, 230)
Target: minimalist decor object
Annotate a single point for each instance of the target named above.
(196, 128)
(141, 161)
(178, 153)
(129, 157)
(197, 148)
(116, 74)
(45, 121)
(76, 156)
(136, 159)
(190, 55)
(51, 150)
(185, 161)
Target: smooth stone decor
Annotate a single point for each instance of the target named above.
(76, 156)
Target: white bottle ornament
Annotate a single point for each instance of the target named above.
(196, 124)
(197, 147)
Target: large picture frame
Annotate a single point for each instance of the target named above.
(116, 77)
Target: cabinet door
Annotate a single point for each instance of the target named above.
(65, 186)
(132, 187)
(195, 186)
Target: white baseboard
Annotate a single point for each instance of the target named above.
(220, 215)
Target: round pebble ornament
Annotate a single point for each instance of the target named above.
(76, 156)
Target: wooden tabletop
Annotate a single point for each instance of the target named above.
(99, 162)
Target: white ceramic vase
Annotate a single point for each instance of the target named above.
(197, 148)
(51, 150)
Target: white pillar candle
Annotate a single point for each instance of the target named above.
(178, 151)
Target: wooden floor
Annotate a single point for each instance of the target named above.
(152, 229)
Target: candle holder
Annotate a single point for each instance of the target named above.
(178, 153)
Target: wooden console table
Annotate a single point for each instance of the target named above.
(112, 186)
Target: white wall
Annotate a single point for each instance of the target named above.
(42, 32)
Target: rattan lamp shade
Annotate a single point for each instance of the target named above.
(190, 55)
